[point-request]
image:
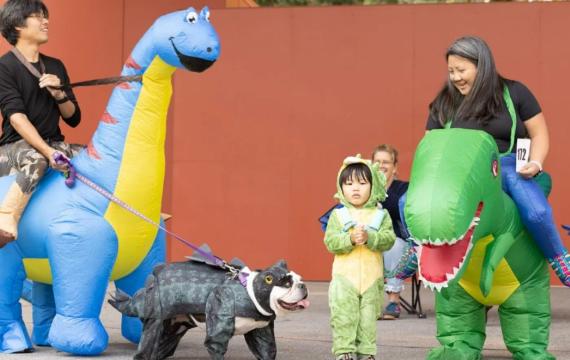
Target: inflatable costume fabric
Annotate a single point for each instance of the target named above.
(475, 249)
(73, 241)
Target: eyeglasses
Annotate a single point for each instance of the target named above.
(384, 162)
(40, 17)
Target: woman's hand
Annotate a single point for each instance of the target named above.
(530, 170)
(538, 133)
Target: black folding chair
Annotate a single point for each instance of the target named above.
(416, 303)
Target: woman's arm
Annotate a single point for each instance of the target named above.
(538, 132)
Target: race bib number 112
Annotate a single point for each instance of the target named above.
(523, 153)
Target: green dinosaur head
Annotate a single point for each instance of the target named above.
(455, 189)
(377, 190)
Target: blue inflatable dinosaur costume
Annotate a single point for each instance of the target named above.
(73, 241)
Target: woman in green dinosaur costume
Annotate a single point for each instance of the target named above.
(475, 96)
(357, 234)
(474, 246)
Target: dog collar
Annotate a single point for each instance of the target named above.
(249, 287)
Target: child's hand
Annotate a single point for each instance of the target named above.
(359, 236)
(364, 236)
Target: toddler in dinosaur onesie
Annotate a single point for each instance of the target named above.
(357, 234)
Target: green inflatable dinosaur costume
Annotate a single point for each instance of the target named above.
(474, 247)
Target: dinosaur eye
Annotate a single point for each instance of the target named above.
(268, 279)
(495, 168)
(192, 17)
(207, 16)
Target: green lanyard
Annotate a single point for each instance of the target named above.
(511, 108)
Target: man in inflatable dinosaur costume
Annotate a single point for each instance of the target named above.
(72, 242)
(474, 249)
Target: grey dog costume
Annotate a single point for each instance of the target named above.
(184, 295)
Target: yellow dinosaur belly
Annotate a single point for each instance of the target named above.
(505, 282)
(140, 179)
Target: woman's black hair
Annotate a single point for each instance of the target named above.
(485, 99)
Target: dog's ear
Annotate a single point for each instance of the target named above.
(282, 264)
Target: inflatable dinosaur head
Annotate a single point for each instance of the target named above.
(455, 189)
(186, 39)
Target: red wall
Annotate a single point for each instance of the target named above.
(259, 137)
(256, 141)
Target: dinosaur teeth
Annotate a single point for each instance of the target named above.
(424, 241)
(454, 272)
(432, 286)
(474, 222)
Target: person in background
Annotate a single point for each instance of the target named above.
(386, 156)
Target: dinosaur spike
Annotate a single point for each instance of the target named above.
(92, 152)
(131, 63)
(108, 119)
(124, 86)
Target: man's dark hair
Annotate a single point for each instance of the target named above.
(14, 14)
(357, 171)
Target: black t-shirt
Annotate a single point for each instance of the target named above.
(395, 192)
(20, 93)
(526, 106)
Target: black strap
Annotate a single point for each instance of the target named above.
(103, 81)
(27, 64)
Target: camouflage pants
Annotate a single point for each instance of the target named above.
(21, 159)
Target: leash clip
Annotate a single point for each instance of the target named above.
(70, 173)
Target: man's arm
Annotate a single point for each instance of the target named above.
(52, 83)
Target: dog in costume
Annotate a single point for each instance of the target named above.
(475, 249)
(197, 293)
(357, 234)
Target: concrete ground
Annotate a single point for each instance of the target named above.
(307, 335)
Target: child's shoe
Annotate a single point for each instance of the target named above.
(561, 266)
(366, 357)
(392, 311)
(345, 356)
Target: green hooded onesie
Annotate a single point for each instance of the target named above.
(356, 288)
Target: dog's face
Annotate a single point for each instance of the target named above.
(280, 290)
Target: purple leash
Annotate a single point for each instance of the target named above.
(72, 174)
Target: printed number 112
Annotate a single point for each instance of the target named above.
(521, 154)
